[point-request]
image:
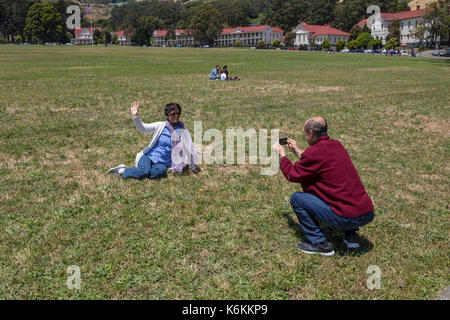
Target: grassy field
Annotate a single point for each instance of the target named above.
(229, 232)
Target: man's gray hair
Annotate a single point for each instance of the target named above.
(316, 127)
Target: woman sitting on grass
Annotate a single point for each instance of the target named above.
(224, 75)
(171, 147)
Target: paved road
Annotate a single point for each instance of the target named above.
(428, 54)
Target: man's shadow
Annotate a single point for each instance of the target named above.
(333, 236)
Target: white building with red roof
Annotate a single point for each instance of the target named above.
(123, 37)
(408, 21)
(306, 34)
(249, 36)
(84, 35)
(182, 38)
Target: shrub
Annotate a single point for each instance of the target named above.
(326, 44)
(238, 44)
(363, 40)
(352, 45)
(392, 43)
(261, 44)
(340, 45)
(18, 39)
(376, 43)
(276, 43)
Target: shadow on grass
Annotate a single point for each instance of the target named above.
(334, 236)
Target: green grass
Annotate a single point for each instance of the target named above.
(228, 233)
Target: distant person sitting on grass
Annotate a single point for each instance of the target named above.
(170, 147)
(332, 189)
(215, 73)
(224, 75)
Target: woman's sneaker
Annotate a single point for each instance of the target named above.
(324, 248)
(115, 170)
(351, 239)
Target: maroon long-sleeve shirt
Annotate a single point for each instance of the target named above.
(326, 170)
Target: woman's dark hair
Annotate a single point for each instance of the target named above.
(170, 107)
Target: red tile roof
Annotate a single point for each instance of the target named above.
(399, 15)
(122, 33)
(404, 14)
(78, 30)
(254, 28)
(316, 30)
(162, 33)
(228, 30)
(362, 23)
(276, 29)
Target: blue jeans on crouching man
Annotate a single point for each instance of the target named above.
(309, 208)
(146, 169)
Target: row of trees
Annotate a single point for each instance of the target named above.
(41, 21)
(35, 21)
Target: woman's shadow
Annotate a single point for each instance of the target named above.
(334, 237)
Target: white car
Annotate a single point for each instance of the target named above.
(345, 50)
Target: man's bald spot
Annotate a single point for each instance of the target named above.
(317, 119)
(318, 125)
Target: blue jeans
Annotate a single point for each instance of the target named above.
(309, 208)
(214, 77)
(145, 169)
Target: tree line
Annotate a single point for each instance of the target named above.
(41, 21)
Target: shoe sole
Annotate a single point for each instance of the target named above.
(327, 254)
(116, 168)
(351, 245)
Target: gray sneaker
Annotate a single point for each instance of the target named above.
(324, 248)
(351, 239)
(115, 170)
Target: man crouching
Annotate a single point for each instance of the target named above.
(333, 191)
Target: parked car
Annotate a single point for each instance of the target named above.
(438, 53)
(345, 50)
(50, 44)
(377, 51)
(447, 53)
(292, 48)
(284, 48)
(206, 46)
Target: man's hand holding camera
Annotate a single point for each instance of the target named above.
(291, 144)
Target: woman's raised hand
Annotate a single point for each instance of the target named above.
(134, 109)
